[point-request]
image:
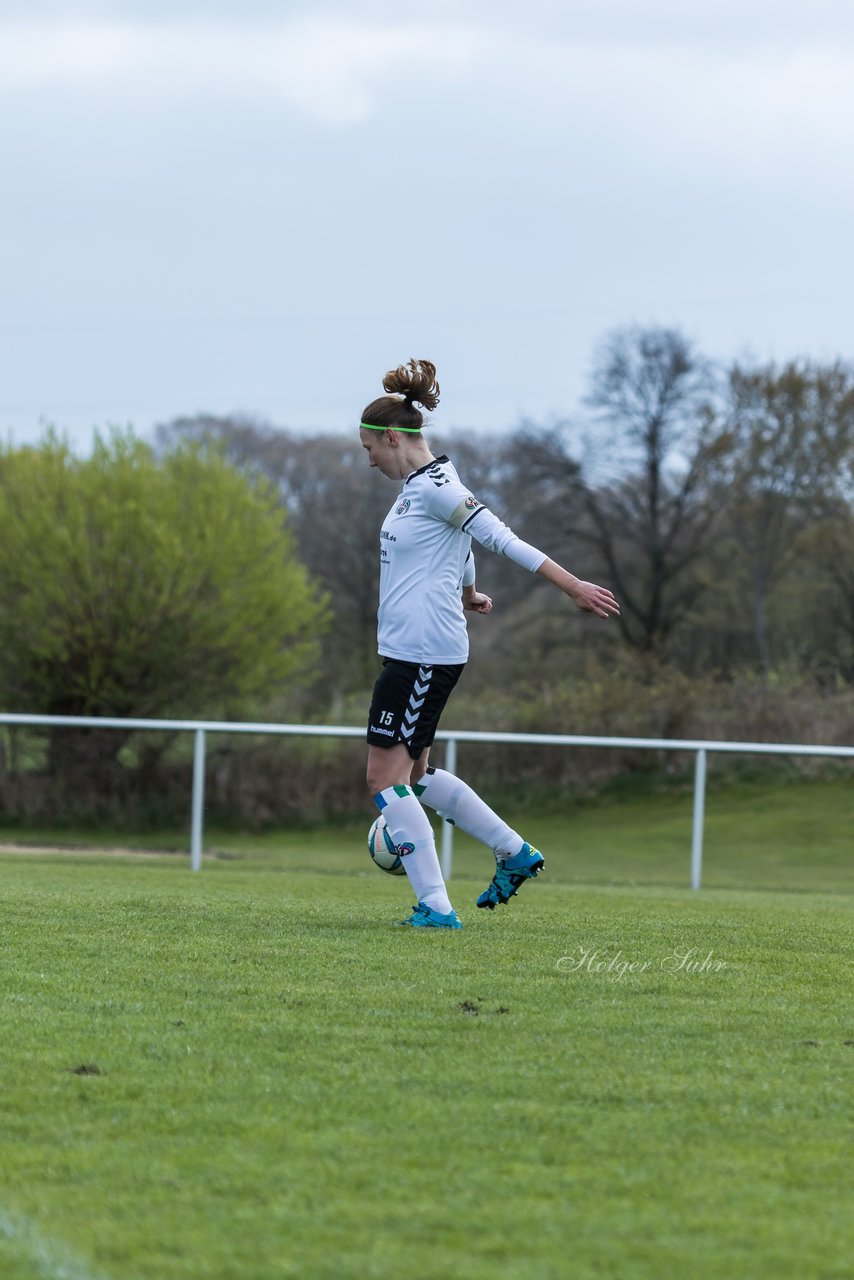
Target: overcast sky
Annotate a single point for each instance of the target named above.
(258, 207)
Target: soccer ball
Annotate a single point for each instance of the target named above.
(382, 849)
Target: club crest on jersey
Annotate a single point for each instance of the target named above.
(471, 502)
(402, 507)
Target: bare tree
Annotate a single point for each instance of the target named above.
(793, 436)
(648, 514)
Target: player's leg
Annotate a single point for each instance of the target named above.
(397, 726)
(418, 768)
(389, 767)
(454, 800)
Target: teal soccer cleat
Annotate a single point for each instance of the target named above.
(510, 874)
(423, 917)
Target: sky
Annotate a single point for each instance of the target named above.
(258, 208)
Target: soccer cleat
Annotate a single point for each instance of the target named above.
(510, 874)
(423, 917)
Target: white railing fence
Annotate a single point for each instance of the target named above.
(450, 737)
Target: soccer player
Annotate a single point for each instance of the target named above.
(427, 581)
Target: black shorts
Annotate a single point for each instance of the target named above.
(407, 702)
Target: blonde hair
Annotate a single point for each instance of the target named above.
(409, 384)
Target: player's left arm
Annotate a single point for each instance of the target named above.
(587, 595)
(486, 528)
(483, 525)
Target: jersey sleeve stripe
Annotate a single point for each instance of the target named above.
(464, 526)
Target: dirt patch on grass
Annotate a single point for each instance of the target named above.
(86, 850)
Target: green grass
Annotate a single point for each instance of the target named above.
(796, 836)
(288, 1087)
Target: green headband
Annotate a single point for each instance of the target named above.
(370, 427)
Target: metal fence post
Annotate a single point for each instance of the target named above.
(699, 812)
(198, 800)
(448, 827)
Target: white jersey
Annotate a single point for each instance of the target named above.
(424, 546)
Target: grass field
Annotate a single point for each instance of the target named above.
(249, 1073)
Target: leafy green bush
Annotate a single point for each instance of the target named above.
(145, 586)
(132, 585)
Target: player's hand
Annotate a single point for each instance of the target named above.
(477, 602)
(593, 599)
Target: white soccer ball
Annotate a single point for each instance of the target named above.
(382, 849)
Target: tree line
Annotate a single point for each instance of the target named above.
(229, 568)
(717, 503)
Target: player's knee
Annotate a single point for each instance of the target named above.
(388, 768)
(383, 773)
(416, 773)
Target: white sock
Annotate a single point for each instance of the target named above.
(452, 798)
(411, 832)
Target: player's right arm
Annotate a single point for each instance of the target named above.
(475, 601)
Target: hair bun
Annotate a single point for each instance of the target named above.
(416, 382)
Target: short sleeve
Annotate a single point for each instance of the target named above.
(447, 498)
